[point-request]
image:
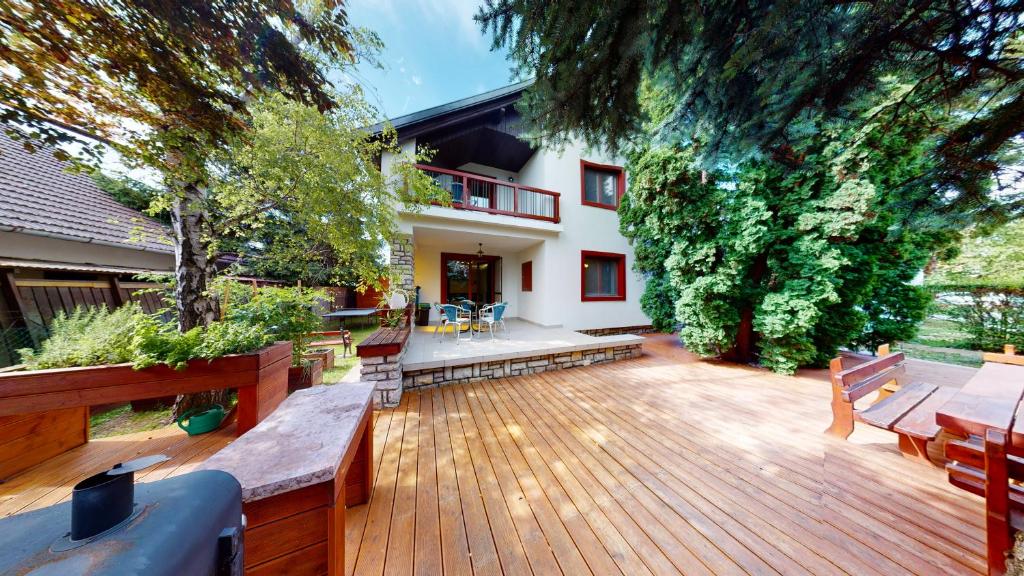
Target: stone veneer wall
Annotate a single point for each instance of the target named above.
(386, 372)
(616, 331)
(517, 366)
(402, 263)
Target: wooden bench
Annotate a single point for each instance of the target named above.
(909, 410)
(299, 469)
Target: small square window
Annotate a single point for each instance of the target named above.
(603, 276)
(528, 276)
(602, 185)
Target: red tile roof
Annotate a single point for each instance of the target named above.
(38, 195)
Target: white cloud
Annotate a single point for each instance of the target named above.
(456, 13)
(417, 80)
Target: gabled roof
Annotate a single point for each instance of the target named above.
(38, 195)
(411, 125)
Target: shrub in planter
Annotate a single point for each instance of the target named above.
(306, 375)
(325, 355)
(97, 336)
(287, 313)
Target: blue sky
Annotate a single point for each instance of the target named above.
(433, 53)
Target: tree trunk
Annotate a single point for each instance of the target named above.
(193, 270)
(744, 348)
(192, 264)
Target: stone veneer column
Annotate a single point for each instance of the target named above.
(386, 373)
(402, 262)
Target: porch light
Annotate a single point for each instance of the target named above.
(480, 251)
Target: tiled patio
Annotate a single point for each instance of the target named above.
(660, 465)
(523, 340)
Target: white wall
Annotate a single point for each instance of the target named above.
(32, 247)
(585, 228)
(555, 299)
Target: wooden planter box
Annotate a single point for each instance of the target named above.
(260, 378)
(326, 355)
(28, 439)
(310, 374)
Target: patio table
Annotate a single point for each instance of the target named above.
(989, 400)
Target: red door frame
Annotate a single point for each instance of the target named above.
(449, 256)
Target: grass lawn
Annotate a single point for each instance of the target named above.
(343, 365)
(123, 421)
(942, 341)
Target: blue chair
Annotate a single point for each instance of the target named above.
(491, 315)
(454, 318)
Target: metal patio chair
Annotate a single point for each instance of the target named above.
(493, 314)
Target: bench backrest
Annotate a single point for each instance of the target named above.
(863, 379)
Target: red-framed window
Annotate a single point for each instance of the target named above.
(528, 276)
(602, 276)
(601, 185)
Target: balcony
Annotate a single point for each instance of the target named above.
(483, 194)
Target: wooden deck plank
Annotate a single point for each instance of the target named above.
(454, 542)
(480, 481)
(428, 521)
(946, 537)
(619, 531)
(373, 544)
(624, 489)
(502, 494)
(657, 465)
(401, 541)
(524, 486)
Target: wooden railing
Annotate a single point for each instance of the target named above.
(483, 194)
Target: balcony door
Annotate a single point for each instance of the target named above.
(470, 277)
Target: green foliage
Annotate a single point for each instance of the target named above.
(94, 336)
(284, 313)
(750, 79)
(302, 196)
(816, 248)
(990, 317)
(87, 337)
(986, 259)
(131, 193)
(157, 343)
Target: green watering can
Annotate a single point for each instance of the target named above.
(202, 420)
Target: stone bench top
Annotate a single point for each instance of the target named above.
(300, 444)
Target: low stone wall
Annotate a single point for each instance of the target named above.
(620, 330)
(517, 366)
(386, 373)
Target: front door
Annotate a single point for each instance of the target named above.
(470, 277)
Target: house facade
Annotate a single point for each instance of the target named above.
(534, 227)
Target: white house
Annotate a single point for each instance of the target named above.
(534, 227)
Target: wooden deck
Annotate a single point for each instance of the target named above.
(51, 482)
(660, 465)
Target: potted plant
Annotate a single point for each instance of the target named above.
(325, 355)
(423, 314)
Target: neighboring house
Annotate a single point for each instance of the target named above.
(64, 242)
(534, 227)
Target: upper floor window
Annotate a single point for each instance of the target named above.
(602, 185)
(603, 276)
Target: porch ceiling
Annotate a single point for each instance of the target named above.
(467, 242)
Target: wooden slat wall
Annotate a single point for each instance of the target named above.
(44, 299)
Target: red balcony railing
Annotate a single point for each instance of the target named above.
(483, 194)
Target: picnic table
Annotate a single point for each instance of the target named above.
(986, 455)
